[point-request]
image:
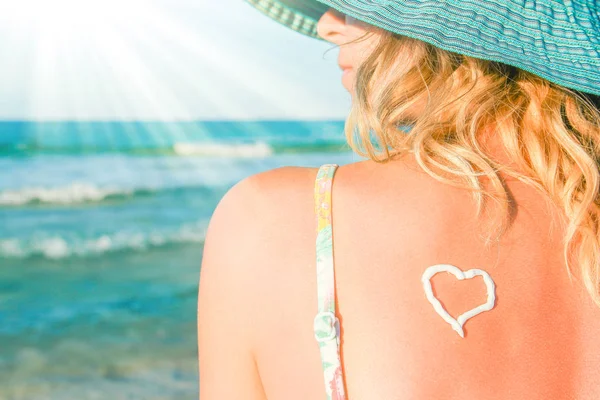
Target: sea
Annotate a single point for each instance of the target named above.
(102, 226)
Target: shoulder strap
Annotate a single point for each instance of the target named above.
(326, 324)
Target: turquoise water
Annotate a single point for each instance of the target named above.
(101, 235)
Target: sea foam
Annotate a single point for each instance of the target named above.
(70, 194)
(58, 247)
(253, 150)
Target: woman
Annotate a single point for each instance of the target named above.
(481, 125)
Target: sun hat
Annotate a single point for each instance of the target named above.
(558, 40)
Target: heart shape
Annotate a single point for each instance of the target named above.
(457, 324)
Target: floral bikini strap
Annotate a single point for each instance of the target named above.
(326, 324)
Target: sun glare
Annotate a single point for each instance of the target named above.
(78, 43)
(66, 15)
(138, 59)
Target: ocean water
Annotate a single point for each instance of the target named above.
(102, 226)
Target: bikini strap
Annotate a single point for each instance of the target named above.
(326, 324)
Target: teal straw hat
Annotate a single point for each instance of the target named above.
(558, 40)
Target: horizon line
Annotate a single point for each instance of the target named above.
(170, 121)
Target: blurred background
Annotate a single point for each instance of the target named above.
(122, 124)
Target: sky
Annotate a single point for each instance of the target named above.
(160, 60)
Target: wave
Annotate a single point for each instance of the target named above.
(209, 138)
(73, 193)
(58, 247)
(83, 193)
(254, 150)
(197, 149)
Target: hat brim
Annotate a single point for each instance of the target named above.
(558, 41)
(299, 15)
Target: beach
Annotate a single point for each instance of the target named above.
(101, 237)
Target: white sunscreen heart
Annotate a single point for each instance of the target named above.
(457, 324)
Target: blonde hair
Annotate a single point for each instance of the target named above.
(551, 134)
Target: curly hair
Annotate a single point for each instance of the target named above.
(551, 134)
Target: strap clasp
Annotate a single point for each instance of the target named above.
(326, 326)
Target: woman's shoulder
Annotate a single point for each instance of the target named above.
(284, 191)
(252, 232)
(265, 201)
(252, 227)
(274, 207)
(261, 187)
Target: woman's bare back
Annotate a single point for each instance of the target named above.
(390, 222)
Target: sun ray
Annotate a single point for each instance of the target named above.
(162, 60)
